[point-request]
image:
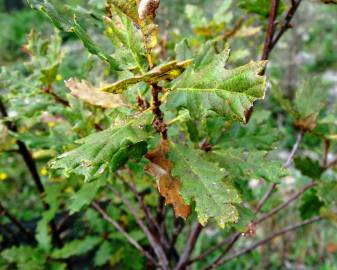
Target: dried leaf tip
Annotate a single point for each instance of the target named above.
(147, 8)
(85, 91)
(168, 186)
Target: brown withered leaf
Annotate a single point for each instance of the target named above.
(86, 92)
(308, 123)
(168, 186)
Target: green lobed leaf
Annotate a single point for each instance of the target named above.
(207, 84)
(204, 182)
(310, 97)
(309, 167)
(103, 253)
(84, 196)
(310, 205)
(76, 247)
(106, 150)
(128, 41)
(51, 197)
(25, 257)
(260, 7)
(246, 165)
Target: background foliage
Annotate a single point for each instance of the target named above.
(89, 146)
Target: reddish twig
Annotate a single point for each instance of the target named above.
(286, 23)
(270, 31)
(271, 38)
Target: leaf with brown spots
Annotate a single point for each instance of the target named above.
(168, 186)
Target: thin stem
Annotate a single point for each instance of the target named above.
(157, 248)
(271, 40)
(268, 239)
(286, 23)
(119, 228)
(271, 29)
(179, 225)
(4, 211)
(327, 144)
(158, 122)
(154, 226)
(286, 203)
(294, 150)
(192, 239)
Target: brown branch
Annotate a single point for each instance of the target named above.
(119, 228)
(292, 198)
(192, 239)
(270, 41)
(270, 31)
(49, 90)
(153, 225)
(267, 239)
(157, 248)
(4, 211)
(179, 225)
(286, 23)
(30, 164)
(327, 145)
(158, 122)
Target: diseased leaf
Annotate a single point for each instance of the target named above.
(249, 164)
(167, 71)
(168, 186)
(207, 84)
(205, 183)
(86, 92)
(106, 150)
(142, 14)
(128, 41)
(308, 123)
